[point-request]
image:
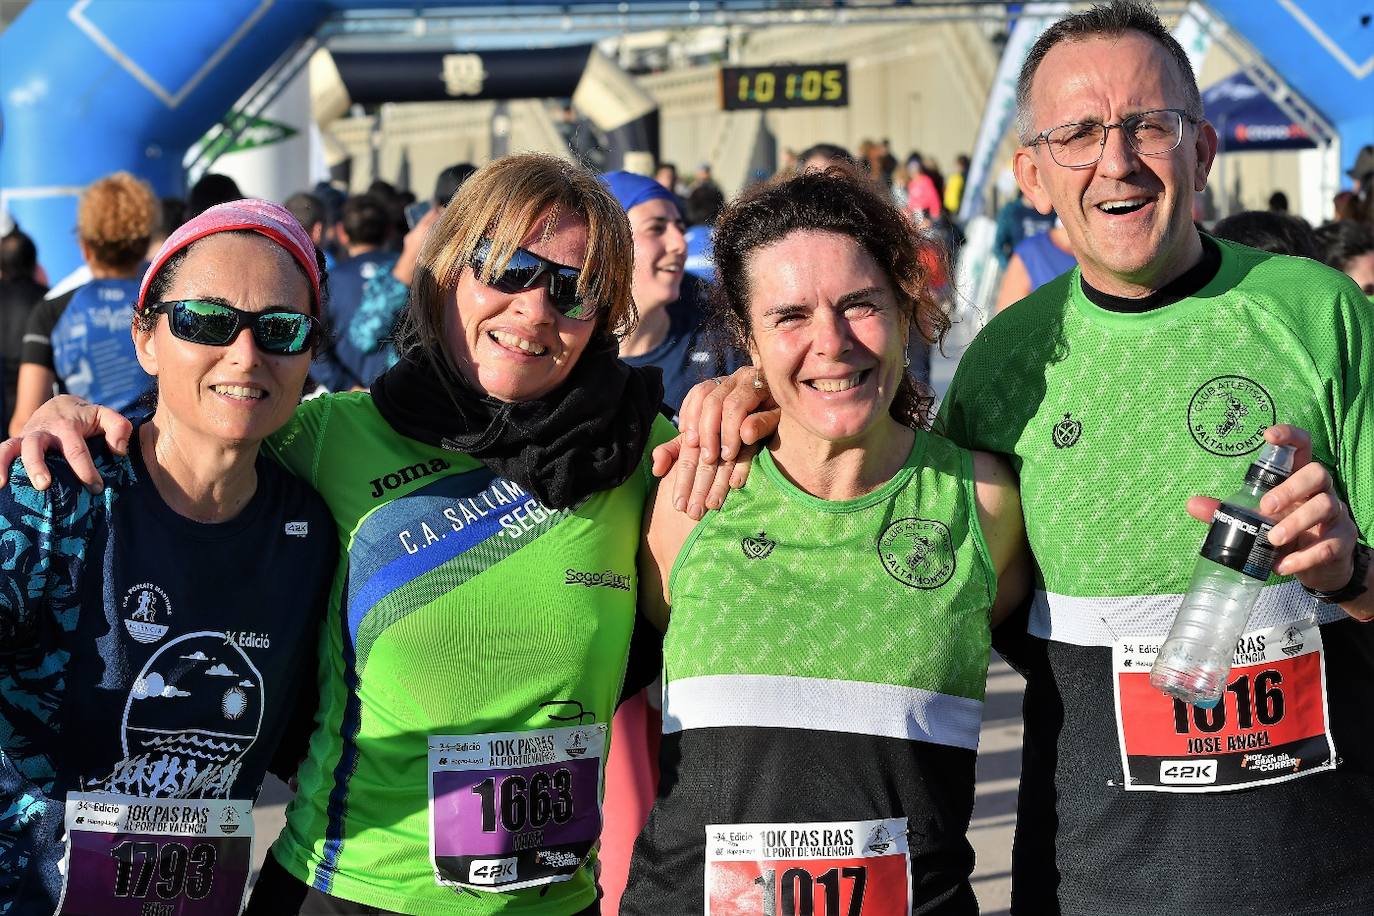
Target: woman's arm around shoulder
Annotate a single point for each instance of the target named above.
(63, 423)
(665, 531)
(999, 513)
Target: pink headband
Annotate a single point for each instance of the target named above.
(260, 216)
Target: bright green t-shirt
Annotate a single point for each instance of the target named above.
(1113, 420)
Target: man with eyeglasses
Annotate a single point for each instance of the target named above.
(1155, 372)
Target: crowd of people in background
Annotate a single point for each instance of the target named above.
(64, 339)
(364, 239)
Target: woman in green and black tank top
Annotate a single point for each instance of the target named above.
(825, 665)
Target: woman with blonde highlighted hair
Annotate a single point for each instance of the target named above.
(500, 203)
(488, 493)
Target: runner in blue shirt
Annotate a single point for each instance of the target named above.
(671, 303)
(79, 343)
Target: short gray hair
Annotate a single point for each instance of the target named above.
(1112, 18)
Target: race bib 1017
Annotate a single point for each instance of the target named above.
(846, 868)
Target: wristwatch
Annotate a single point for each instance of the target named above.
(1357, 585)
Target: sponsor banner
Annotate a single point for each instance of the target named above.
(794, 869)
(514, 809)
(129, 856)
(1271, 724)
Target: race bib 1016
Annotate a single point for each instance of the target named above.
(846, 868)
(129, 856)
(1271, 724)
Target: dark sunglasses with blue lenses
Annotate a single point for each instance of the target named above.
(217, 325)
(526, 270)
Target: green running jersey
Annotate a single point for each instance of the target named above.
(825, 662)
(1112, 421)
(903, 571)
(466, 609)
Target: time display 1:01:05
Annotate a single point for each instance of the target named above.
(807, 85)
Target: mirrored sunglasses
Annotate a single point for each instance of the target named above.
(527, 270)
(215, 324)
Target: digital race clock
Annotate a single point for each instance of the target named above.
(790, 86)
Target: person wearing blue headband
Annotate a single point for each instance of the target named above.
(671, 303)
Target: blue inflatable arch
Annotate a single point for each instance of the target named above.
(93, 86)
(89, 87)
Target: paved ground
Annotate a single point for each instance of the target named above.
(999, 753)
(994, 807)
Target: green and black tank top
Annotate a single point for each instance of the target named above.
(823, 688)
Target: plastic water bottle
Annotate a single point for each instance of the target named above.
(1236, 558)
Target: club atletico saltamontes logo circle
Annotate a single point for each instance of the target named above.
(917, 552)
(1229, 414)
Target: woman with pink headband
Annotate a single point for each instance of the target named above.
(151, 635)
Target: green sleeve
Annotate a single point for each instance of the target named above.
(662, 430)
(298, 444)
(1354, 406)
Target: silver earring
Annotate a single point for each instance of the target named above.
(906, 359)
(758, 380)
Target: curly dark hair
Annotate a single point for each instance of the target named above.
(841, 201)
